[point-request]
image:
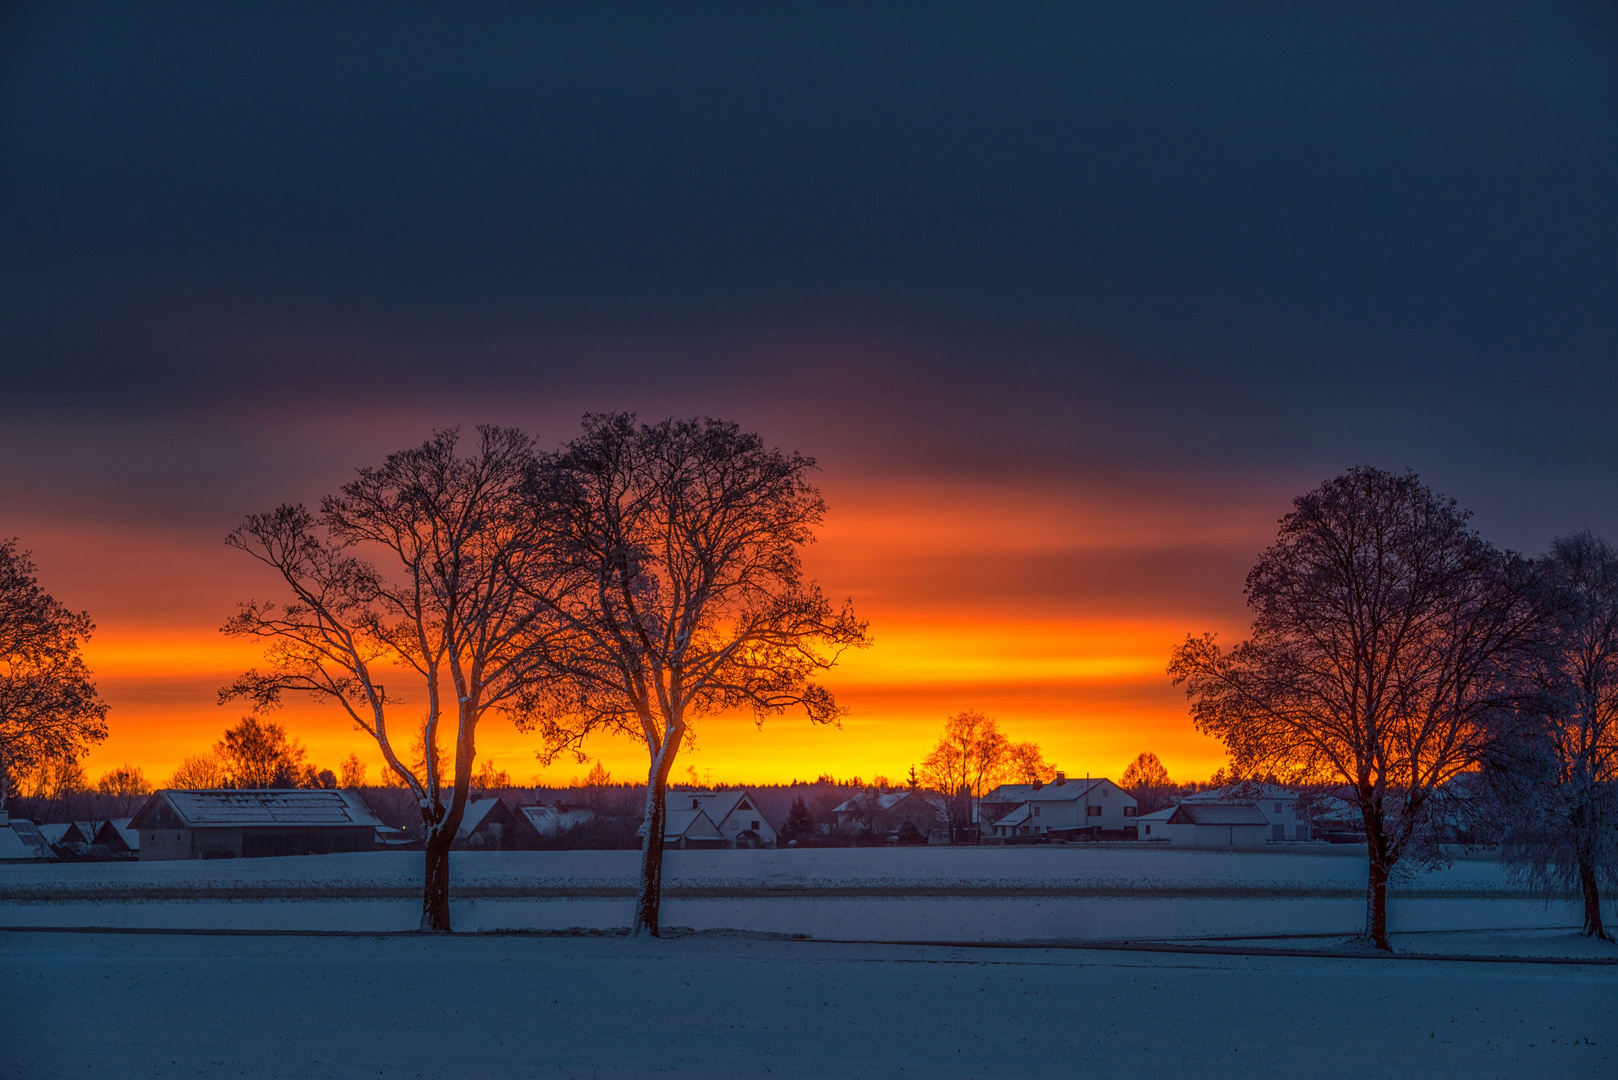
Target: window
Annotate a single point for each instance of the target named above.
(755, 826)
(1036, 811)
(1131, 811)
(1092, 811)
(1277, 808)
(1148, 830)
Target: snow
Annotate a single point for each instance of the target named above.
(735, 1006)
(960, 894)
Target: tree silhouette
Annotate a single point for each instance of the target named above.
(685, 595)
(1385, 634)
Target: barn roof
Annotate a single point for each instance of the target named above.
(1209, 813)
(317, 808)
(21, 839)
(474, 814)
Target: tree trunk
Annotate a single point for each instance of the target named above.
(651, 852)
(435, 891)
(1593, 926)
(1376, 906)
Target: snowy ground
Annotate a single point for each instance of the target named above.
(159, 1005)
(961, 894)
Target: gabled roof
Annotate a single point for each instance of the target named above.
(118, 829)
(1075, 790)
(223, 808)
(886, 801)
(719, 805)
(1158, 815)
(63, 832)
(1016, 817)
(476, 810)
(1212, 813)
(695, 824)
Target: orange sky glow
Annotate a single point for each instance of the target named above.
(1050, 606)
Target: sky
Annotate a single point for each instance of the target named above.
(1068, 301)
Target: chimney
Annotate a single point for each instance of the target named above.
(696, 804)
(1061, 778)
(1038, 784)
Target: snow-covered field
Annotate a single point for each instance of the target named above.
(110, 1005)
(961, 894)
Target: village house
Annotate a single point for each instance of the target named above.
(735, 813)
(229, 823)
(490, 825)
(687, 830)
(1150, 826)
(67, 834)
(1066, 809)
(885, 815)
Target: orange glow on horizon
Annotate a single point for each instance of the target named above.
(1052, 609)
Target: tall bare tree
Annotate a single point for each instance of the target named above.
(260, 754)
(49, 709)
(1558, 760)
(971, 756)
(685, 594)
(1148, 781)
(454, 613)
(1385, 633)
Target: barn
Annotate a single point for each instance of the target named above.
(1217, 824)
(247, 824)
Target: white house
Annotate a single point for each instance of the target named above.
(735, 814)
(1066, 808)
(1278, 804)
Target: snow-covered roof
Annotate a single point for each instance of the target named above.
(1075, 790)
(476, 810)
(312, 808)
(118, 827)
(20, 839)
(719, 805)
(688, 823)
(1158, 815)
(1242, 790)
(1016, 817)
(1212, 813)
(63, 832)
(885, 801)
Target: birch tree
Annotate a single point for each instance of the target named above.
(684, 596)
(448, 607)
(50, 712)
(1385, 635)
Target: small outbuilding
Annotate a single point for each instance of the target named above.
(117, 837)
(247, 824)
(1212, 824)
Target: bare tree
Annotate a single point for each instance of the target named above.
(685, 595)
(200, 772)
(455, 613)
(1026, 763)
(259, 754)
(126, 786)
(49, 709)
(971, 756)
(1385, 633)
(1148, 781)
(1558, 762)
(351, 772)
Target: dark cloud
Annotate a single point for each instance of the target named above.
(1041, 237)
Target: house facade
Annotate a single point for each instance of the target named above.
(1217, 824)
(735, 813)
(1066, 810)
